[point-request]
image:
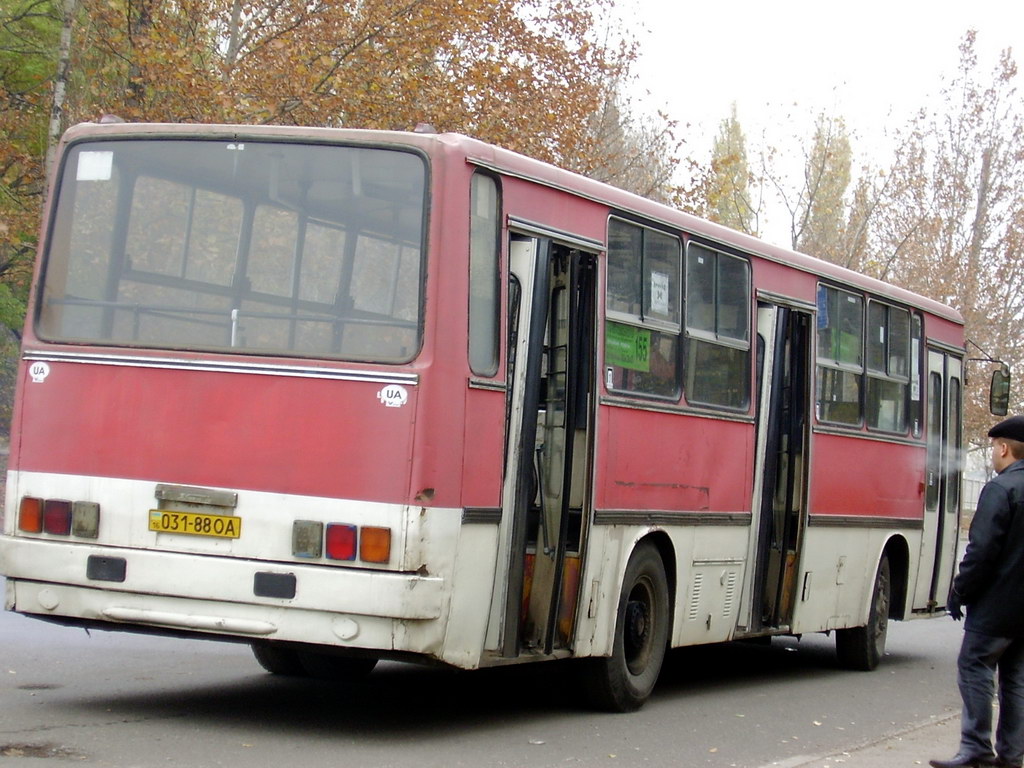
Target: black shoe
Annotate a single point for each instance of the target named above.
(965, 761)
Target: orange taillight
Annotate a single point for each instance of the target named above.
(374, 544)
(30, 515)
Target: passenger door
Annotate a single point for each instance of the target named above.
(779, 504)
(942, 481)
(546, 488)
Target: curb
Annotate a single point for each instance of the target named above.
(912, 745)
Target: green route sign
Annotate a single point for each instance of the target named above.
(627, 346)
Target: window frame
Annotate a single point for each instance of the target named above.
(716, 338)
(836, 365)
(491, 343)
(642, 320)
(117, 267)
(875, 375)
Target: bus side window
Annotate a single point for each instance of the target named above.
(888, 367)
(484, 277)
(840, 355)
(642, 324)
(916, 366)
(717, 328)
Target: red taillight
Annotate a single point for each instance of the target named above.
(341, 541)
(30, 515)
(57, 517)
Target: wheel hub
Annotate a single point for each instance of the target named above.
(636, 626)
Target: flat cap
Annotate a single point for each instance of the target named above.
(1011, 428)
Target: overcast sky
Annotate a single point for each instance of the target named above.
(872, 62)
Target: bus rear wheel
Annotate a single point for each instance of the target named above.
(623, 681)
(862, 648)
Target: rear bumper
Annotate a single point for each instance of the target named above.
(223, 596)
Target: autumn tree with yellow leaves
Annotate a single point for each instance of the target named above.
(529, 75)
(524, 74)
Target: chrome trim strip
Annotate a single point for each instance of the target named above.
(221, 366)
(856, 521)
(858, 433)
(717, 561)
(493, 386)
(223, 624)
(658, 406)
(667, 518)
(188, 494)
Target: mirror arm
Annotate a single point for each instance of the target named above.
(999, 388)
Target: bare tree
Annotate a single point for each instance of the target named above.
(949, 225)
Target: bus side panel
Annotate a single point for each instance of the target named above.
(484, 448)
(885, 481)
(651, 461)
(853, 514)
(838, 575)
(710, 570)
(230, 430)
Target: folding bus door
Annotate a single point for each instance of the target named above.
(551, 349)
(780, 471)
(942, 481)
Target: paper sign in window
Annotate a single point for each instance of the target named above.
(95, 166)
(659, 293)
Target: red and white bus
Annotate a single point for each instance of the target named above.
(349, 395)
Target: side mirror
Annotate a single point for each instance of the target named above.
(999, 391)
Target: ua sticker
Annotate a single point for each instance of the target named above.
(393, 396)
(39, 371)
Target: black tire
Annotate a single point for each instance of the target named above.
(277, 659)
(862, 648)
(623, 681)
(329, 666)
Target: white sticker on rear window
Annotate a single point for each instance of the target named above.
(95, 166)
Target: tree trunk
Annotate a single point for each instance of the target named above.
(60, 87)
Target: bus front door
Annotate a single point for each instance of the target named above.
(780, 470)
(942, 482)
(551, 347)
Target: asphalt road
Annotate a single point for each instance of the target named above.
(104, 699)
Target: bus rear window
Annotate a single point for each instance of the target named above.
(259, 247)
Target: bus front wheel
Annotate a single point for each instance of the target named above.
(863, 647)
(623, 681)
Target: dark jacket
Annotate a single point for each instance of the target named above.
(991, 578)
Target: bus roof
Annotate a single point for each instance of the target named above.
(514, 164)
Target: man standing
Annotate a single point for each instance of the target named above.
(990, 584)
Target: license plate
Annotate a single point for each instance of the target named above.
(195, 523)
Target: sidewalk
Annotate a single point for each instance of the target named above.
(936, 738)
